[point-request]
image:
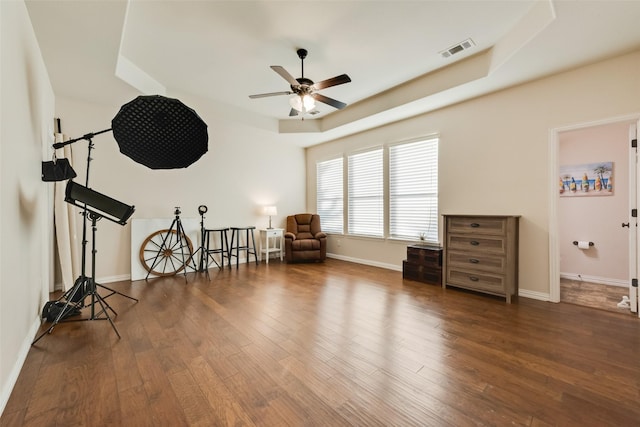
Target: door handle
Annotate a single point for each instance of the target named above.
(625, 224)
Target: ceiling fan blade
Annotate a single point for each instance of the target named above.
(329, 101)
(264, 95)
(293, 112)
(338, 80)
(285, 75)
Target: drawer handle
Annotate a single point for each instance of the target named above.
(473, 278)
(474, 242)
(475, 225)
(474, 261)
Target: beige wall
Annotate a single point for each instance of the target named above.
(244, 169)
(495, 156)
(26, 130)
(597, 218)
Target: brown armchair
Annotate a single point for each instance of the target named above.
(304, 240)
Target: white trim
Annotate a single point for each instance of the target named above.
(541, 296)
(366, 262)
(112, 279)
(595, 279)
(554, 250)
(107, 279)
(12, 378)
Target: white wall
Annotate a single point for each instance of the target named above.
(494, 156)
(596, 218)
(244, 169)
(26, 126)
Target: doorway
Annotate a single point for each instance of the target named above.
(590, 207)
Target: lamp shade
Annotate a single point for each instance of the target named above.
(269, 210)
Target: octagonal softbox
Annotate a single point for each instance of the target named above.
(160, 132)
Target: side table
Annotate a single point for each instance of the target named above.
(271, 241)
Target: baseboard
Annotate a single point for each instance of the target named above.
(7, 387)
(534, 295)
(112, 279)
(522, 292)
(107, 279)
(595, 279)
(366, 262)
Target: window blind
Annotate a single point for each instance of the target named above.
(413, 190)
(329, 191)
(365, 191)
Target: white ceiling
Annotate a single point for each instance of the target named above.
(109, 52)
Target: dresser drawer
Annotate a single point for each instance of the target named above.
(476, 244)
(477, 262)
(477, 281)
(273, 232)
(477, 225)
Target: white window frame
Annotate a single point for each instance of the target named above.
(330, 194)
(413, 190)
(365, 193)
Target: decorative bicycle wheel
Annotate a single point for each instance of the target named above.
(165, 253)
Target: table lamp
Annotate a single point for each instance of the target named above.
(269, 211)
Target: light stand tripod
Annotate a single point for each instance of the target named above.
(86, 286)
(169, 248)
(205, 254)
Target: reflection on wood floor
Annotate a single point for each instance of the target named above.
(595, 295)
(329, 344)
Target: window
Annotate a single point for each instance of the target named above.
(413, 190)
(365, 190)
(329, 190)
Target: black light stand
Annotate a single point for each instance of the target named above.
(203, 261)
(165, 251)
(95, 206)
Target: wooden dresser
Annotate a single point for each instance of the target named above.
(423, 264)
(481, 253)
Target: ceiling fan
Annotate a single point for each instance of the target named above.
(305, 90)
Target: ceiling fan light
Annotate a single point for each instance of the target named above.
(296, 102)
(308, 102)
(302, 103)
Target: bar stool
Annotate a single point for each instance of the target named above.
(235, 244)
(209, 252)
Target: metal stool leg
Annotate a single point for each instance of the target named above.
(237, 235)
(226, 244)
(205, 243)
(255, 255)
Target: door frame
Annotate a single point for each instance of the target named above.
(554, 167)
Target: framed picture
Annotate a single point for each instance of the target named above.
(590, 179)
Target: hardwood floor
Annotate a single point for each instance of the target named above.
(592, 295)
(332, 344)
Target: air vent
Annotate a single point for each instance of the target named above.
(467, 44)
